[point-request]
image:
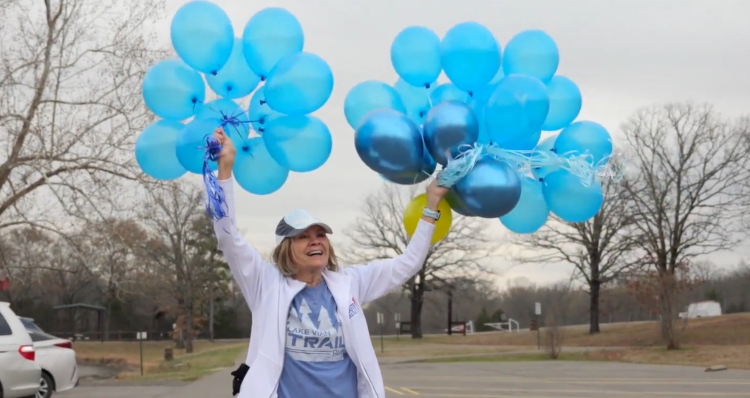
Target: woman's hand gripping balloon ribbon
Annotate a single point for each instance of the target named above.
(219, 148)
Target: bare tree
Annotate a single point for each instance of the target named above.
(182, 244)
(688, 190)
(379, 234)
(600, 249)
(70, 105)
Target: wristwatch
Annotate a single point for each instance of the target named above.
(431, 213)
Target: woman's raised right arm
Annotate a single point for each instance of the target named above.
(247, 266)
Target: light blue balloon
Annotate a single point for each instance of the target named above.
(155, 150)
(516, 110)
(389, 143)
(491, 189)
(299, 84)
(415, 55)
(449, 127)
(256, 171)
(564, 103)
(173, 90)
(416, 100)
(235, 79)
(230, 114)
(470, 55)
(547, 145)
(298, 143)
(585, 137)
(368, 96)
(449, 92)
(533, 53)
(202, 36)
(259, 113)
(569, 199)
(531, 212)
(191, 144)
(270, 35)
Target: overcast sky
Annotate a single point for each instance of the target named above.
(623, 54)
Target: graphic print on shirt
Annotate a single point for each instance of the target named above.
(314, 337)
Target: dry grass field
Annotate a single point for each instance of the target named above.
(708, 341)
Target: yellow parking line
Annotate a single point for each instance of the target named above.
(409, 390)
(394, 390)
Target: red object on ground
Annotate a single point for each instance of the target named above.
(5, 284)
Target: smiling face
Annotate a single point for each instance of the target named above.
(311, 249)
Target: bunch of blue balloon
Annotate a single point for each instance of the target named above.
(274, 136)
(483, 126)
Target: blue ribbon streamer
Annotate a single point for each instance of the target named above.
(216, 200)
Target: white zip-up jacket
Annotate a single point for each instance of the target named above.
(269, 295)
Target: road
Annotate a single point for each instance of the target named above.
(491, 380)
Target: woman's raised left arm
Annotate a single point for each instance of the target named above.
(380, 277)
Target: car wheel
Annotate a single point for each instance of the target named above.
(45, 387)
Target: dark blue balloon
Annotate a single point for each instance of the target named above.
(470, 55)
(299, 84)
(202, 36)
(415, 55)
(569, 199)
(457, 204)
(531, 212)
(449, 125)
(256, 171)
(155, 150)
(533, 53)
(389, 143)
(516, 110)
(585, 137)
(173, 90)
(411, 177)
(491, 189)
(368, 96)
(298, 143)
(270, 35)
(191, 144)
(235, 79)
(565, 103)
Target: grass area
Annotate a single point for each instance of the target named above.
(727, 330)
(126, 356)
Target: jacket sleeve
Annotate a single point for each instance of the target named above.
(380, 277)
(247, 266)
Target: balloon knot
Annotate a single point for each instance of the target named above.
(262, 102)
(427, 85)
(262, 78)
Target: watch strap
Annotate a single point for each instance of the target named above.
(435, 214)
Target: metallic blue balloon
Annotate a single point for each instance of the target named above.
(449, 125)
(389, 143)
(457, 204)
(491, 189)
(410, 177)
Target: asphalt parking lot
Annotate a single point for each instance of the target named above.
(489, 380)
(560, 380)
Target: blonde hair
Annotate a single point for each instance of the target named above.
(284, 261)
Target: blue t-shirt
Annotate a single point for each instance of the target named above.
(315, 362)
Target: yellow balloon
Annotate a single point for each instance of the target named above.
(413, 213)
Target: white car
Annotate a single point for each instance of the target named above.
(19, 373)
(57, 359)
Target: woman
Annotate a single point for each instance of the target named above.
(309, 336)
